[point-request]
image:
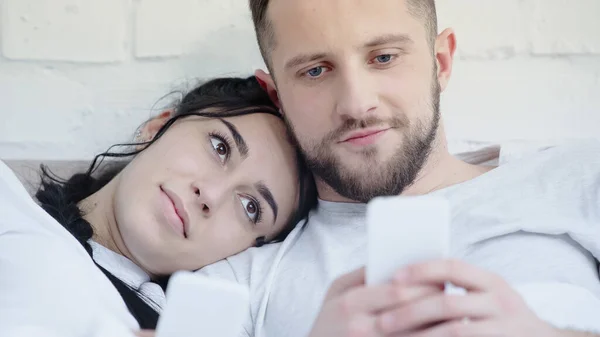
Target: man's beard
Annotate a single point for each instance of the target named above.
(399, 172)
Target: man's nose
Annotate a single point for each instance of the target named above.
(357, 99)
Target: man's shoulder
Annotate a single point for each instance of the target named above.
(586, 152)
(256, 266)
(538, 169)
(242, 266)
(578, 160)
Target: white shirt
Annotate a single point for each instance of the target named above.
(534, 221)
(49, 285)
(130, 273)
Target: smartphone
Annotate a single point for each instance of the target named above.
(200, 306)
(405, 230)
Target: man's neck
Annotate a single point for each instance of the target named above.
(443, 170)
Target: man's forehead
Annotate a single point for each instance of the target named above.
(263, 131)
(258, 124)
(298, 24)
(336, 5)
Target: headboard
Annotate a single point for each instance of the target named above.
(28, 171)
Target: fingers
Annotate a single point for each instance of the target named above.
(384, 297)
(347, 281)
(438, 308)
(362, 326)
(460, 328)
(457, 272)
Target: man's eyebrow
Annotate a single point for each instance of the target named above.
(237, 138)
(266, 193)
(378, 41)
(388, 39)
(303, 58)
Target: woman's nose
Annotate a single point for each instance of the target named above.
(209, 197)
(204, 206)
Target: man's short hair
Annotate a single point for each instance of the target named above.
(422, 9)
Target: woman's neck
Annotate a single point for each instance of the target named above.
(98, 210)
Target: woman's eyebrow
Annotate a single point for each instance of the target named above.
(242, 146)
(266, 193)
(237, 138)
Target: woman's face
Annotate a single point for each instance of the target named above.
(206, 190)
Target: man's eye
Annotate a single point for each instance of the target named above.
(315, 72)
(384, 58)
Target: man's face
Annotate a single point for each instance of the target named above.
(357, 83)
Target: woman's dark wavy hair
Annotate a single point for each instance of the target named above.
(218, 98)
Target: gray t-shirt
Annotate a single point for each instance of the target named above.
(534, 221)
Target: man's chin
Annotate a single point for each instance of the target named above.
(361, 171)
(362, 162)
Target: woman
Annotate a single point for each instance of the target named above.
(208, 179)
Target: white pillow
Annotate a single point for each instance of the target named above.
(498, 153)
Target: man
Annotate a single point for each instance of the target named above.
(359, 83)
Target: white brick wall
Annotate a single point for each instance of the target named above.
(79, 75)
(80, 31)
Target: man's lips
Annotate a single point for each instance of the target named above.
(364, 137)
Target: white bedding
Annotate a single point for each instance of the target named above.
(49, 285)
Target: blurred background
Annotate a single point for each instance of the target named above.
(77, 76)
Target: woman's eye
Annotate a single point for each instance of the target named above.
(251, 209)
(220, 148)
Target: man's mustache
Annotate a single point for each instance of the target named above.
(353, 124)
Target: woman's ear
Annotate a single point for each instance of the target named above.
(148, 131)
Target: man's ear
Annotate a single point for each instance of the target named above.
(266, 82)
(445, 46)
(149, 130)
